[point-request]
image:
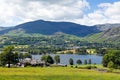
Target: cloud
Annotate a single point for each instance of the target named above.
(106, 13)
(14, 12)
(18, 11)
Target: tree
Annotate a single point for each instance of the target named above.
(101, 51)
(16, 58)
(85, 61)
(50, 59)
(47, 59)
(110, 64)
(8, 56)
(105, 60)
(112, 56)
(89, 61)
(79, 61)
(71, 62)
(57, 59)
(27, 55)
(44, 58)
(81, 51)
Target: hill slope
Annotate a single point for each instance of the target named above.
(112, 35)
(48, 28)
(104, 27)
(3, 28)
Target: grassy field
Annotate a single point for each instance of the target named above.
(55, 73)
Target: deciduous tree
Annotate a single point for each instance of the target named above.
(57, 59)
(8, 56)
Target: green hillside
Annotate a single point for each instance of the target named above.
(111, 36)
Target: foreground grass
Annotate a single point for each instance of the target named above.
(55, 73)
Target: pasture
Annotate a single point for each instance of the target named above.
(55, 73)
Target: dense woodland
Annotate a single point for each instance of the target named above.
(39, 44)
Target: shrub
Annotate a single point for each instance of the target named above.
(87, 67)
(26, 64)
(76, 66)
(110, 64)
(79, 61)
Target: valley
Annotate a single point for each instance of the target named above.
(50, 37)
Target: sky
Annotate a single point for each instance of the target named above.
(85, 12)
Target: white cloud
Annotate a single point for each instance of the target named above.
(18, 11)
(106, 13)
(14, 12)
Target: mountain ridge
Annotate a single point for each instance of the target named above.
(49, 28)
(3, 28)
(111, 35)
(104, 27)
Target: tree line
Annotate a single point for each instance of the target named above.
(111, 58)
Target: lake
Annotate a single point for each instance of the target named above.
(64, 58)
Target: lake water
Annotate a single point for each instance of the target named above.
(64, 58)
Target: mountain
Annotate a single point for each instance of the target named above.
(42, 32)
(3, 28)
(104, 27)
(111, 35)
(49, 28)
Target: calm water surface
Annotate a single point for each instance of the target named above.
(64, 58)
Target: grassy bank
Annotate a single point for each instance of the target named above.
(55, 73)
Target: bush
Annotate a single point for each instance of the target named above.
(71, 66)
(110, 70)
(110, 64)
(27, 64)
(79, 61)
(76, 66)
(87, 67)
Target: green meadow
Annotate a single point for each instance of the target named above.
(55, 73)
